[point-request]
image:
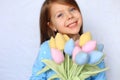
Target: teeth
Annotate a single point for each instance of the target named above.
(72, 24)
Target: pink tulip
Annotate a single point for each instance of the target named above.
(57, 55)
(89, 46)
(76, 50)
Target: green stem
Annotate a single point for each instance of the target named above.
(68, 65)
(79, 70)
(72, 70)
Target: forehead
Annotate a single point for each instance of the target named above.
(56, 7)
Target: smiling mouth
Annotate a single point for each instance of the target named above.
(73, 24)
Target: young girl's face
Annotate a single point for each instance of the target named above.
(65, 19)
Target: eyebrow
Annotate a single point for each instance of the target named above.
(62, 10)
(58, 12)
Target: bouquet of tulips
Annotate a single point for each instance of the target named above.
(74, 60)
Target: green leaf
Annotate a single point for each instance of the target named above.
(79, 69)
(86, 74)
(43, 70)
(95, 71)
(73, 70)
(76, 78)
(88, 67)
(90, 70)
(83, 77)
(62, 70)
(55, 67)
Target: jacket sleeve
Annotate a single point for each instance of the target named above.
(100, 76)
(44, 53)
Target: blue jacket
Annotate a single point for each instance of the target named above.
(44, 53)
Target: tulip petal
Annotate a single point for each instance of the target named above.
(85, 38)
(76, 50)
(89, 46)
(60, 41)
(52, 42)
(95, 56)
(69, 46)
(100, 47)
(66, 37)
(81, 58)
(57, 55)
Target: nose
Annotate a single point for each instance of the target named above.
(69, 15)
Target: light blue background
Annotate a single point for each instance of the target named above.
(19, 34)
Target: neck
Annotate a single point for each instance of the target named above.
(74, 37)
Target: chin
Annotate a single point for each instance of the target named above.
(75, 32)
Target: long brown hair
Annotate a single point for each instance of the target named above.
(45, 31)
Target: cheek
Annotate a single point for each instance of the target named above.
(80, 18)
(79, 15)
(60, 23)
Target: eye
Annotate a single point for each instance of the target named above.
(59, 15)
(72, 9)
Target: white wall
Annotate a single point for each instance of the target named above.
(19, 34)
(19, 38)
(102, 18)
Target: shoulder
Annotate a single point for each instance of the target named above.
(44, 50)
(44, 45)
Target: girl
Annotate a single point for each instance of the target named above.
(61, 16)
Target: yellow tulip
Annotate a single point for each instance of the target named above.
(66, 37)
(52, 43)
(85, 38)
(60, 41)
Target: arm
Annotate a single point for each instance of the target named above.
(100, 76)
(44, 53)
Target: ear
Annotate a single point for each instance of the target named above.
(51, 26)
